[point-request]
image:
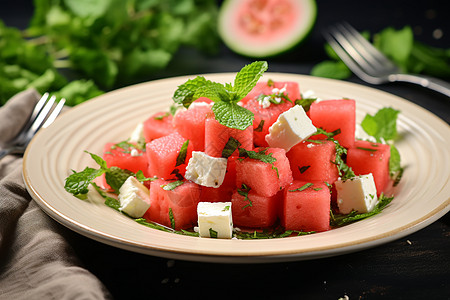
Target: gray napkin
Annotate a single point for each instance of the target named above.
(36, 262)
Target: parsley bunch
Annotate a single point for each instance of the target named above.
(225, 96)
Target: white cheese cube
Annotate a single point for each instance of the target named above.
(358, 193)
(291, 127)
(137, 134)
(206, 170)
(134, 198)
(215, 219)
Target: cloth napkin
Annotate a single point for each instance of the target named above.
(36, 261)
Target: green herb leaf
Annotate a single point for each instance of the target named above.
(243, 191)
(247, 78)
(212, 233)
(232, 115)
(345, 219)
(231, 146)
(382, 125)
(77, 183)
(181, 158)
(260, 126)
(305, 103)
(171, 218)
(172, 185)
(116, 176)
(302, 188)
(331, 69)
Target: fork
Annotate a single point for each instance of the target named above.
(41, 112)
(370, 65)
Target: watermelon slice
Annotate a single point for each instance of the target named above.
(265, 28)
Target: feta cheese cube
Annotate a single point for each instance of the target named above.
(358, 193)
(215, 219)
(138, 134)
(291, 127)
(206, 170)
(134, 198)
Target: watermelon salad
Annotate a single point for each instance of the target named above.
(248, 159)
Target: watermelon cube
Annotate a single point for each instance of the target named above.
(158, 125)
(266, 116)
(181, 201)
(125, 156)
(265, 178)
(190, 124)
(253, 210)
(217, 136)
(368, 157)
(332, 115)
(306, 207)
(164, 158)
(313, 161)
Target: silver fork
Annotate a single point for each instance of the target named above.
(369, 64)
(41, 117)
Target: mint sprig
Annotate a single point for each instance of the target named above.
(225, 96)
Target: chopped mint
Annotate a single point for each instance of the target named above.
(116, 176)
(225, 97)
(261, 156)
(305, 103)
(260, 126)
(243, 191)
(181, 158)
(302, 188)
(231, 146)
(303, 169)
(172, 185)
(171, 218)
(212, 233)
(337, 220)
(382, 125)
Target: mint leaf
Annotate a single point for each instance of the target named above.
(382, 125)
(225, 97)
(243, 191)
(77, 183)
(185, 93)
(331, 69)
(172, 185)
(181, 158)
(116, 176)
(302, 188)
(232, 115)
(231, 146)
(171, 218)
(247, 78)
(305, 103)
(340, 219)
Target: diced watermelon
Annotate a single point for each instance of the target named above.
(367, 157)
(265, 117)
(332, 115)
(254, 211)
(123, 156)
(182, 201)
(308, 209)
(158, 125)
(266, 88)
(217, 136)
(264, 178)
(313, 161)
(190, 124)
(162, 156)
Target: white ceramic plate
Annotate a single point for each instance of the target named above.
(421, 197)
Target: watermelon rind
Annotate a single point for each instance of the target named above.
(239, 43)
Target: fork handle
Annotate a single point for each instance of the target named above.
(431, 83)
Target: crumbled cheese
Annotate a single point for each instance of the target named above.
(206, 170)
(291, 127)
(358, 193)
(134, 198)
(137, 134)
(134, 152)
(215, 219)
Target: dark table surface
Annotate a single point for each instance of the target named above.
(413, 267)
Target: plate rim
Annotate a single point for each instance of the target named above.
(404, 230)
